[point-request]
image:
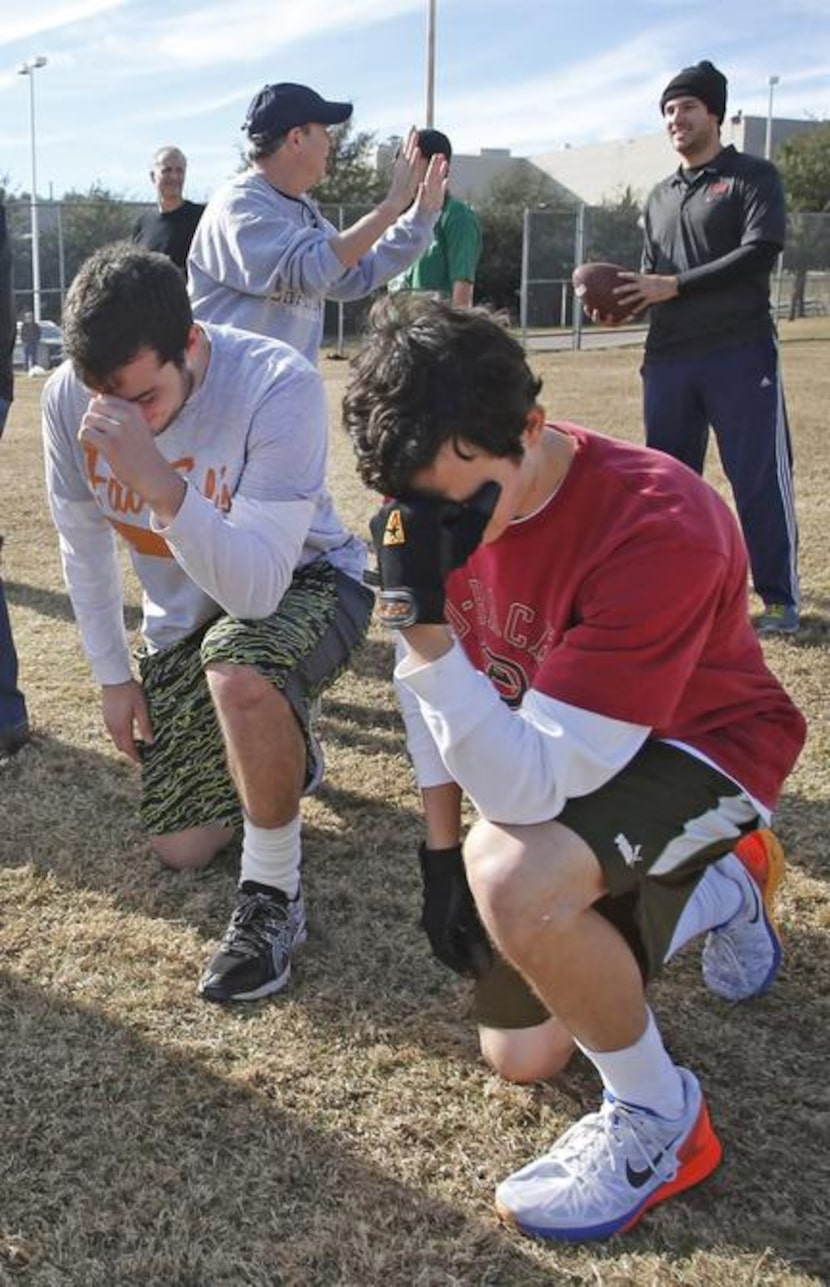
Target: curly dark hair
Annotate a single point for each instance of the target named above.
(428, 374)
(124, 299)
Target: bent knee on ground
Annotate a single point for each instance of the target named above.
(190, 849)
(527, 1054)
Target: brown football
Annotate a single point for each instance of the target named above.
(594, 288)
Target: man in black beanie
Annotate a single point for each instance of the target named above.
(704, 82)
(713, 232)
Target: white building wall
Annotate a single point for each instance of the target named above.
(601, 172)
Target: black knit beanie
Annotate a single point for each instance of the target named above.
(434, 143)
(702, 81)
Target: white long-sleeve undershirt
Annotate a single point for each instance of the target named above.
(517, 766)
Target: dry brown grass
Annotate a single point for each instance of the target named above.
(348, 1133)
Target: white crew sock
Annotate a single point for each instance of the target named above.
(718, 896)
(642, 1074)
(271, 856)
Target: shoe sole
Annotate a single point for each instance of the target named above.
(267, 989)
(700, 1155)
(767, 632)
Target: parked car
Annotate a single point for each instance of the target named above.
(49, 349)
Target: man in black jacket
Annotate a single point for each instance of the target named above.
(713, 231)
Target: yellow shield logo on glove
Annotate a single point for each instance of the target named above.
(393, 533)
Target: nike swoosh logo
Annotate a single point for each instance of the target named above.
(638, 1178)
(753, 920)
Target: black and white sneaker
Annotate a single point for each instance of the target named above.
(254, 957)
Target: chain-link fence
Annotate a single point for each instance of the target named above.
(556, 240)
(69, 231)
(344, 321)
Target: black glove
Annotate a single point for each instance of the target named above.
(418, 542)
(449, 914)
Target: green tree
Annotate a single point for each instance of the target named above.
(613, 233)
(804, 164)
(69, 231)
(351, 175)
(498, 279)
(89, 220)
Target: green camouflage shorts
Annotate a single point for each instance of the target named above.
(302, 649)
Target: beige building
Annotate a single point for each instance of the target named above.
(601, 172)
(472, 174)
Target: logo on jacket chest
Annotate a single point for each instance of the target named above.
(718, 190)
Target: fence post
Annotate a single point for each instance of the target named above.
(340, 305)
(579, 254)
(61, 255)
(525, 266)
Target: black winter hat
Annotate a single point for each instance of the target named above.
(434, 143)
(702, 81)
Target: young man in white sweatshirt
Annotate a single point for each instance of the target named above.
(205, 449)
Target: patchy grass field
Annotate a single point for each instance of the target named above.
(348, 1133)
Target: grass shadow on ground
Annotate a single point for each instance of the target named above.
(55, 604)
(235, 1186)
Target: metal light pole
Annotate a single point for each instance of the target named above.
(430, 64)
(773, 81)
(28, 69)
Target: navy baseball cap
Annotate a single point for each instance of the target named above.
(278, 108)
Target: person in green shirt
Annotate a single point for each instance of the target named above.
(448, 267)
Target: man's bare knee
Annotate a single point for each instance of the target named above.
(191, 849)
(527, 1054)
(239, 687)
(507, 886)
(529, 881)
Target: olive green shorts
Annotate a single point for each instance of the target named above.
(301, 648)
(654, 829)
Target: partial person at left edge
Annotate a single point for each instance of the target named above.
(205, 448)
(170, 227)
(14, 720)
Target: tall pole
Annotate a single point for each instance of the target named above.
(773, 81)
(28, 69)
(430, 120)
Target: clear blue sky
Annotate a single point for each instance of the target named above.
(125, 76)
